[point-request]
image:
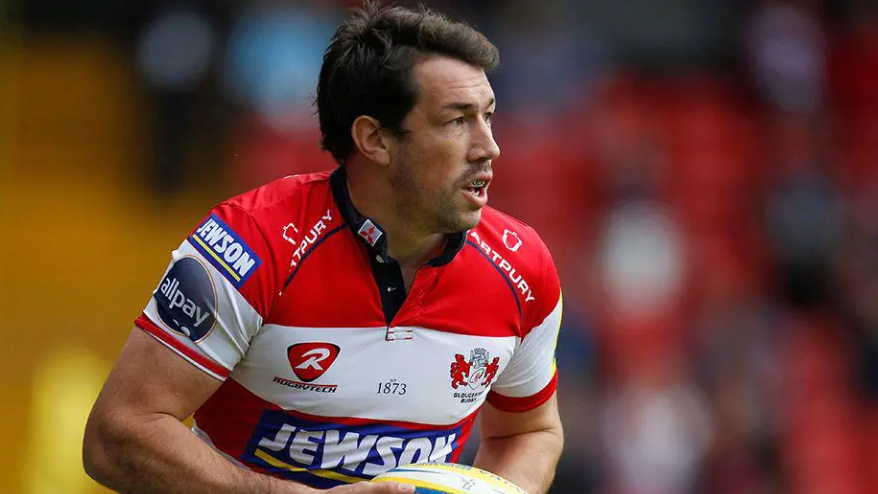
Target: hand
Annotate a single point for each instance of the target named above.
(373, 488)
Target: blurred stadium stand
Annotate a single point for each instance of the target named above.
(704, 172)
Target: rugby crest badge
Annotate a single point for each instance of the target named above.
(477, 372)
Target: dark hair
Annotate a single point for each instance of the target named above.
(367, 67)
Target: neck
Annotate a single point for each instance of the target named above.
(406, 243)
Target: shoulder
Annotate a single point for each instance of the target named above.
(280, 196)
(512, 238)
(270, 210)
(252, 232)
(520, 254)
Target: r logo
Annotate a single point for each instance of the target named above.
(310, 360)
(317, 355)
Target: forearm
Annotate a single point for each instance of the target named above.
(160, 455)
(528, 460)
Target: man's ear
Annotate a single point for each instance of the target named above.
(371, 139)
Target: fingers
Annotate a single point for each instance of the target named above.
(392, 488)
(374, 488)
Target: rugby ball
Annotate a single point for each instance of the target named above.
(449, 478)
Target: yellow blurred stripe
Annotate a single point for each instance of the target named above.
(327, 474)
(64, 388)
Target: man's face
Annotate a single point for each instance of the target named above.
(442, 166)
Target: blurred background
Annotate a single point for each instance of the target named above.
(704, 171)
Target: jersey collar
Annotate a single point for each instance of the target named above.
(371, 233)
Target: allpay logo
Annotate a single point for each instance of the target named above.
(225, 250)
(186, 299)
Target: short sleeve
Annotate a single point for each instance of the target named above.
(215, 292)
(531, 376)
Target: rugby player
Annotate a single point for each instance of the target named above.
(325, 328)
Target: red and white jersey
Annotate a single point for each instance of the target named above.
(332, 372)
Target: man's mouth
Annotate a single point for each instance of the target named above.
(477, 185)
(477, 189)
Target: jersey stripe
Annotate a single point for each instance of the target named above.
(422, 364)
(211, 367)
(526, 403)
(500, 272)
(312, 249)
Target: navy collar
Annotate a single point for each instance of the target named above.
(371, 233)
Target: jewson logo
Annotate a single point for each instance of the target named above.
(325, 454)
(186, 299)
(225, 250)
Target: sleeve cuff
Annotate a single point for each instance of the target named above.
(524, 403)
(198, 360)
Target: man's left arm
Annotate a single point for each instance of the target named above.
(522, 435)
(523, 447)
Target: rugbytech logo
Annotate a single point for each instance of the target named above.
(186, 299)
(309, 361)
(226, 250)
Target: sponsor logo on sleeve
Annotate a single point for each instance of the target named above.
(186, 299)
(225, 249)
(317, 452)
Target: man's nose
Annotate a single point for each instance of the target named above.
(484, 147)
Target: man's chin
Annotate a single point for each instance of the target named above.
(463, 223)
(470, 220)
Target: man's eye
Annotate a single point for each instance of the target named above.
(458, 121)
(489, 117)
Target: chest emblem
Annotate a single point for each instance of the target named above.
(310, 360)
(477, 372)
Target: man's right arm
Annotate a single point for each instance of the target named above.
(135, 440)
